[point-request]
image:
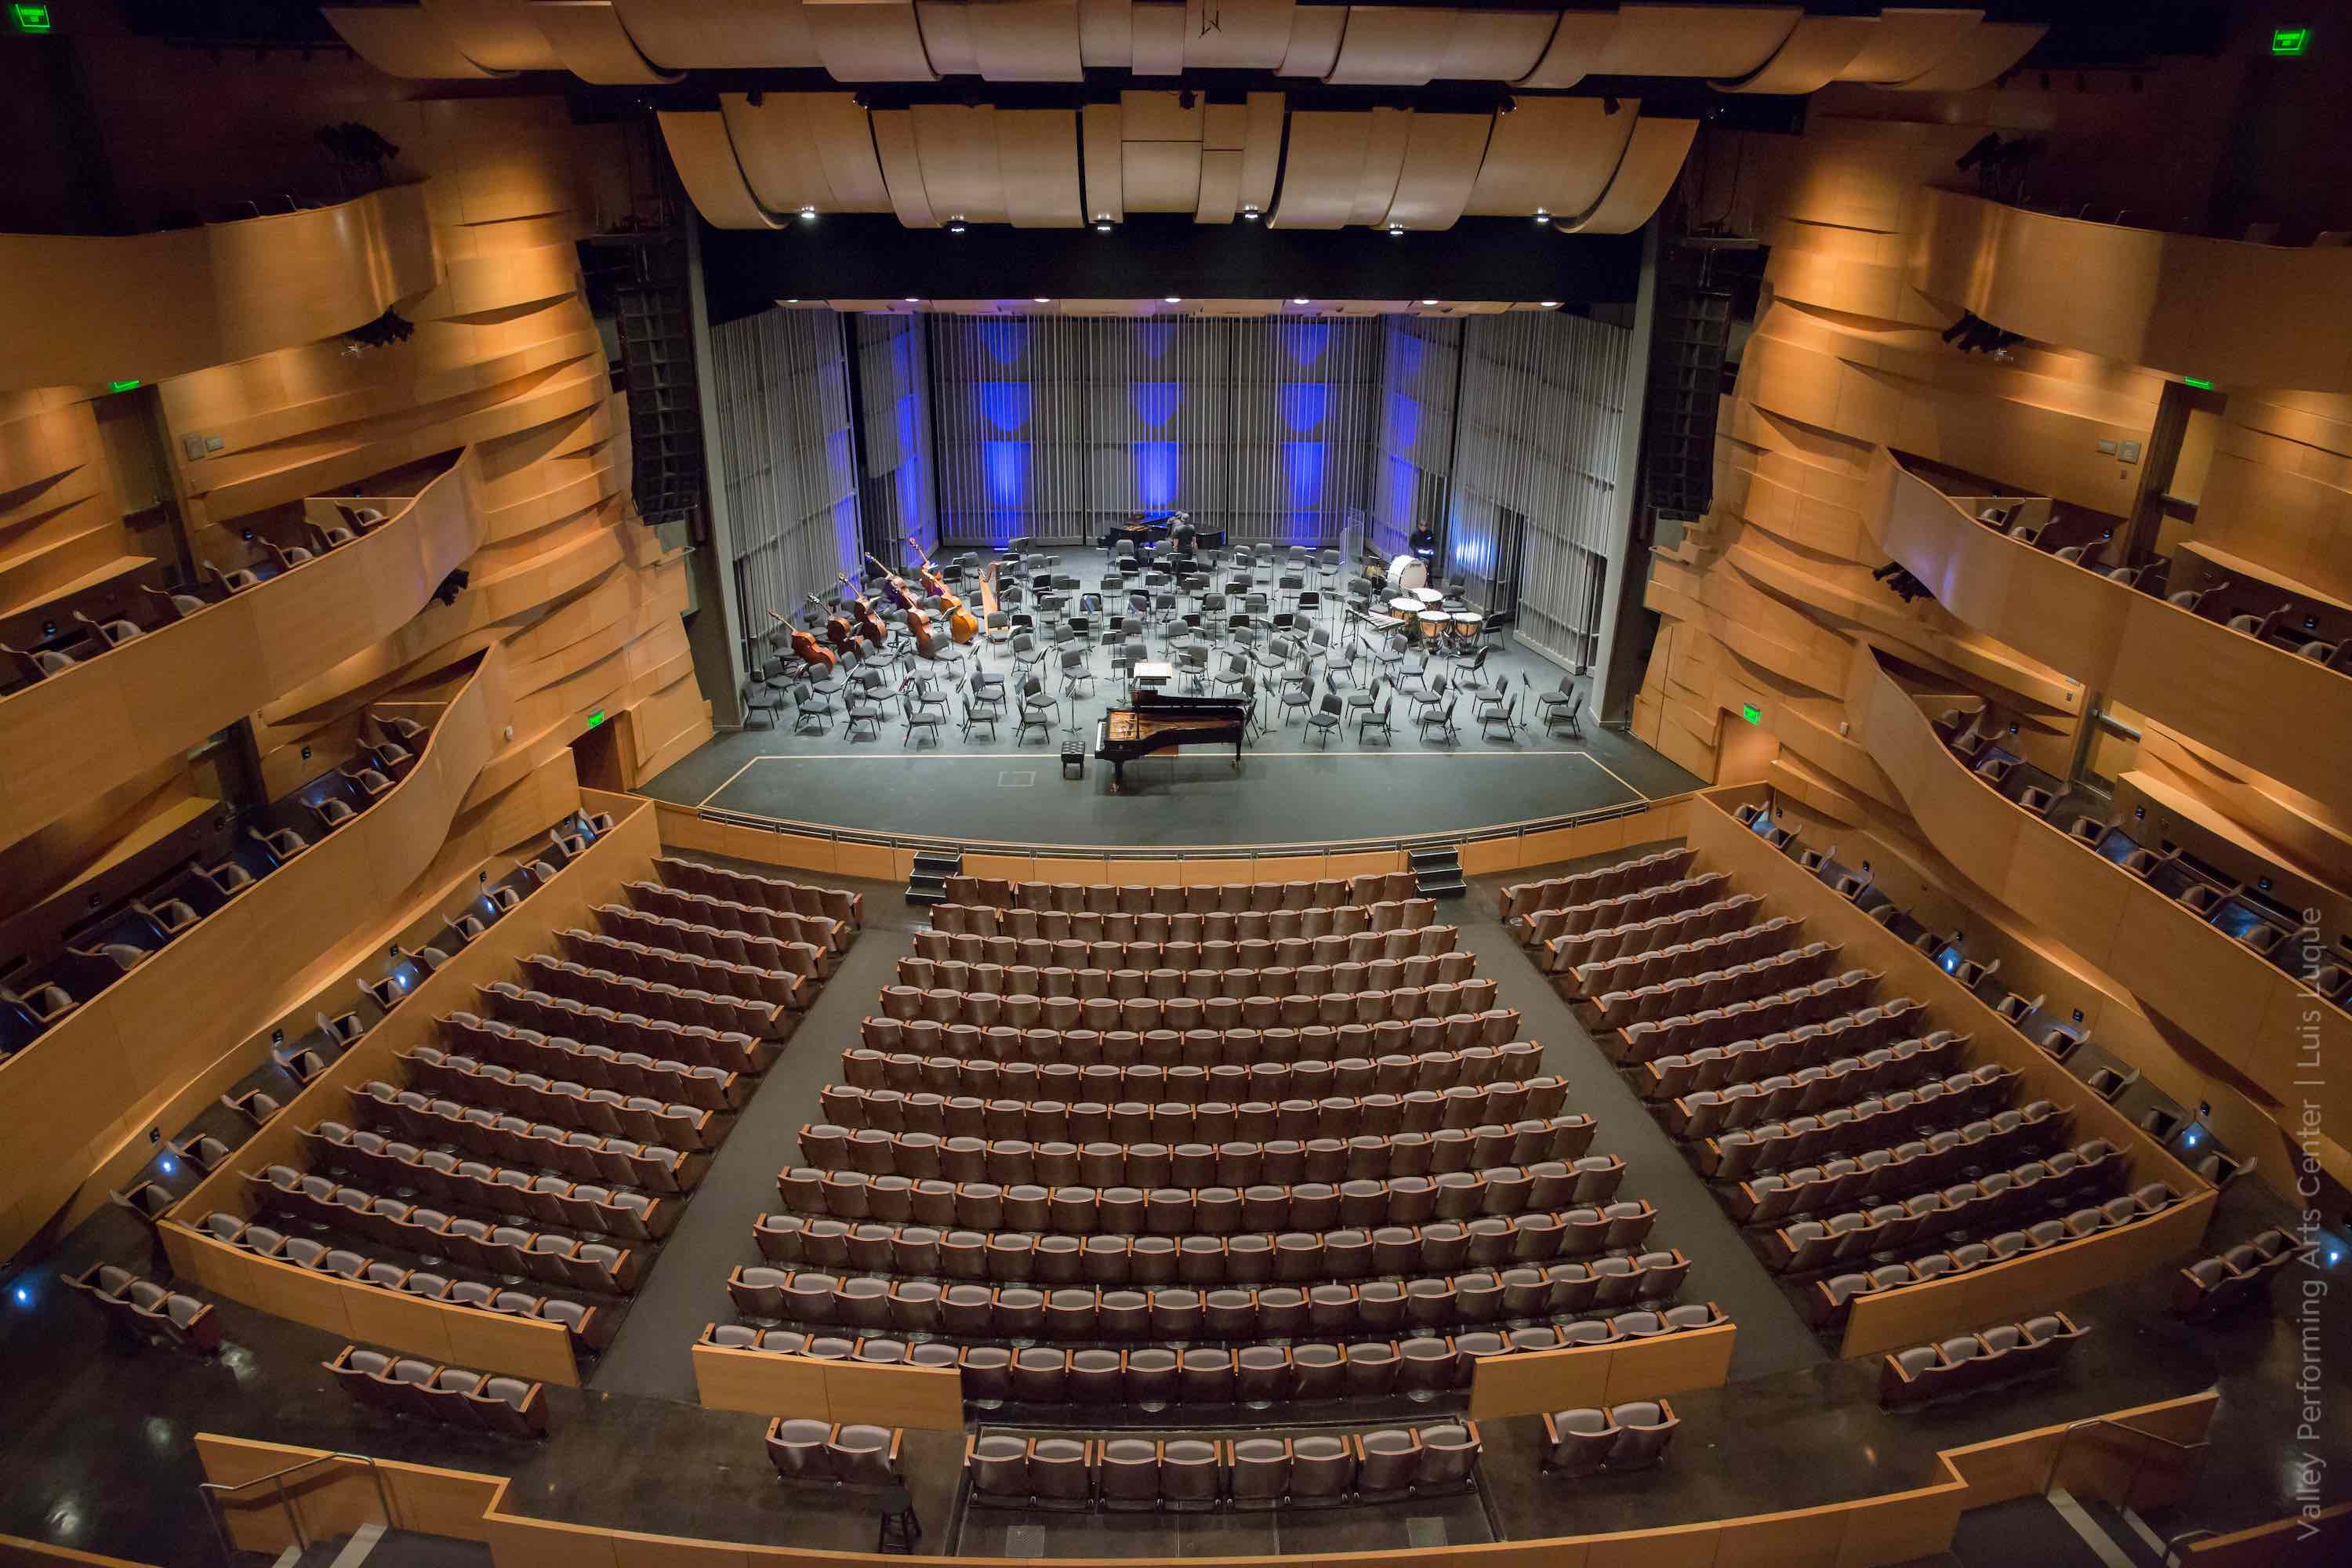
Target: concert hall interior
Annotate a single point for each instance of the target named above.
(1142, 781)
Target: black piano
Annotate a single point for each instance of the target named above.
(1145, 529)
(1162, 720)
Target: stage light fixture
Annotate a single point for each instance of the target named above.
(955, 225)
(1171, 299)
(755, 98)
(1543, 217)
(1429, 302)
(808, 214)
(793, 302)
(1550, 304)
(1507, 105)
(910, 300)
(1187, 99)
(1396, 231)
(1102, 223)
(1041, 298)
(1298, 301)
(1608, 104)
(1249, 214)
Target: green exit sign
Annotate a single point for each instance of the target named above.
(122, 386)
(2198, 382)
(2283, 40)
(1753, 714)
(29, 18)
(596, 718)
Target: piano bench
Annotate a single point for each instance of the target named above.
(1074, 758)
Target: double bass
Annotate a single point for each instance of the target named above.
(861, 615)
(961, 625)
(838, 629)
(810, 651)
(919, 620)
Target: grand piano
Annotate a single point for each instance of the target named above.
(1162, 720)
(1143, 530)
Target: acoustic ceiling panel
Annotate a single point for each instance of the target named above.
(1554, 155)
(1412, 45)
(1262, 150)
(806, 150)
(1237, 34)
(1159, 39)
(1376, 185)
(1158, 117)
(1982, 54)
(1813, 56)
(1221, 186)
(1315, 35)
(1161, 176)
(1577, 42)
(1322, 168)
(705, 157)
(1026, 40)
(1905, 43)
(1653, 162)
(1098, 126)
(719, 35)
(1038, 157)
(956, 146)
(1695, 40)
(947, 37)
(588, 37)
(496, 34)
(868, 40)
(1442, 154)
(902, 167)
(1105, 34)
(845, 142)
(401, 41)
(1223, 126)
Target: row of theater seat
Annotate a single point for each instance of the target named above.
(658, 963)
(403, 1385)
(927, 1250)
(1501, 1190)
(552, 1258)
(1215, 925)
(1082, 1314)
(948, 992)
(1072, 897)
(726, 914)
(1783, 1051)
(627, 993)
(1888, 1070)
(1872, 1121)
(1746, 1018)
(148, 1309)
(588, 1326)
(605, 1158)
(1716, 988)
(1940, 1158)
(814, 960)
(1567, 952)
(479, 1131)
(1270, 1075)
(1829, 1299)
(1459, 1107)
(1239, 1162)
(561, 1101)
(852, 1454)
(1630, 1436)
(1143, 1474)
(2212, 1287)
(701, 1085)
(1521, 900)
(1043, 1051)
(1218, 954)
(1994, 1200)
(1544, 926)
(438, 1176)
(1683, 958)
(763, 892)
(699, 1044)
(1966, 1363)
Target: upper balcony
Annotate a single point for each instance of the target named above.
(86, 720)
(2276, 697)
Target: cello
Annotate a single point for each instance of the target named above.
(838, 629)
(806, 648)
(962, 627)
(862, 618)
(919, 620)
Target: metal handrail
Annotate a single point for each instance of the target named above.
(213, 1491)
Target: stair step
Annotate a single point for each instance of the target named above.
(933, 864)
(1444, 888)
(1434, 859)
(927, 895)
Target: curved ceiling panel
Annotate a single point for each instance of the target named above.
(1105, 34)
(496, 35)
(1025, 40)
(1905, 43)
(588, 37)
(1262, 150)
(1038, 158)
(806, 149)
(1986, 51)
(902, 167)
(1392, 45)
(1376, 184)
(1695, 40)
(1248, 35)
(1159, 40)
(717, 35)
(1812, 58)
(868, 40)
(947, 37)
(704, 156)
(1322, 168)
(401, 41)
(1441, 156)
(1315, 34)
(1652, 161)
(1577, 41)
(1553, 155)
(1106, 191)
(956, 147)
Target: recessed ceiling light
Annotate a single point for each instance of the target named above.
(1396, 230)
(1041, 298)
(808, 214)
(1429, 302)
(1250, 213)
(912, 300)
(1171, 299)
(1551, 304)
(1542, 216)
(955, 225)
(791, 301)
(1102, 225)
(1298, 301)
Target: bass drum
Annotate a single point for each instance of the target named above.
(1407, 572)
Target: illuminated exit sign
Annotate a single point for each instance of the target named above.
(1753, 714)
(30, 18)
(596, 718)
(2283, 40)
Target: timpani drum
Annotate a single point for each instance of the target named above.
(1407, 572)
(1406, 609)
(1466, 626)
(1433, 624)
